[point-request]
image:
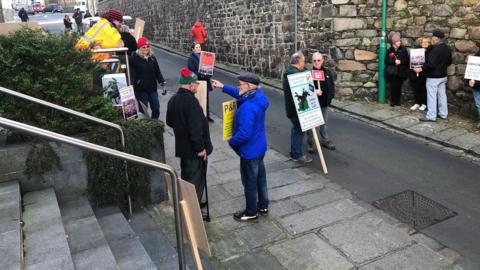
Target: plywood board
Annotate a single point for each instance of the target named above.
(139, 26)
(201, 95)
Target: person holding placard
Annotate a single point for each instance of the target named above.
(475, 85)
(397, 63)
(437, 60)
(325, 89)
(249, 141)
(193, 65)
(192, 134)
(297, 64)
(418, 79)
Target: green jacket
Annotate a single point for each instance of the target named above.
(287, 94)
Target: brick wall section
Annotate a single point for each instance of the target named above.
(258, 35)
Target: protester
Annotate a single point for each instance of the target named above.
(192, 136)
(325, 95)
(22, 14)
(128, 39)
(103, 35)
(68, 23)
(249, 141)
(397, 64)
(297, 64)
(419, 81)
(146, 74)
(77, 16)
(193, 64)
(476, 93)
(87, 14)
(438, 58)
(198, 33)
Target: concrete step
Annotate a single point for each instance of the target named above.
(156, 243)
(10, 226)
(125, 245)
(45, 243)
(86, 240)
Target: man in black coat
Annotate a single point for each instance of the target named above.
(192, 135)
(437, 60)
(325, 93)
(77, 16)
(23, 15)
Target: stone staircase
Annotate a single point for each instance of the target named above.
(71, 235)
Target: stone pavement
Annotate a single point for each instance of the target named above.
(313, 223)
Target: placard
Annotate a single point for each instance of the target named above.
(318, 75)
(139, 26)
(112, 83)
(207, 63)
(229, 108)
(472, 72)
(201, 95)
(305, 100)
(417, 58)
(129, 102)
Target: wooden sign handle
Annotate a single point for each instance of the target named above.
(319, 150)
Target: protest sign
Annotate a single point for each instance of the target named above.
(129, 103)
(417, 58)
(307, 106)
(472, 72)
(318, 75)
(139, 26)
(229, 109)
(207, 63)
(201, 95)
(111, 84)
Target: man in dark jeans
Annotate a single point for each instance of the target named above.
(77, 16)
(192, 135)
(249, 141)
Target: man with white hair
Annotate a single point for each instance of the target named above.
(326, 92)
(297, 64)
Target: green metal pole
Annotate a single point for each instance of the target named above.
(382, 53)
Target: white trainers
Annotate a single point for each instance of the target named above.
(414, 107)
(423, 107)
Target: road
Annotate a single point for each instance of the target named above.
(373, 163)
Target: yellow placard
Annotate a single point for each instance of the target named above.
(229, 108)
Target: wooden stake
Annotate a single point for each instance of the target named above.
(319, 150)
(191, 233)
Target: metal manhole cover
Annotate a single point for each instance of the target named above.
(414, 209)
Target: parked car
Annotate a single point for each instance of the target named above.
(37, 8)
(29, 10)
(53, 8)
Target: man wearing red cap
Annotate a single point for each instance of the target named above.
(192, 135)
(146, 74)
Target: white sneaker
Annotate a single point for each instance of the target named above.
(423, 107)
(414, 107)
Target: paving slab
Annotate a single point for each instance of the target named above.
(402, 122)
(425, 129)
(466, 141)
(323, 196)
(416, 257)
(222, 178)
(262, 233)
(218, 209)
(131, 255)
(365, 237)
(255, 261)
(217, 193)
(447, 134)
(294, 189)
(359, 109)
(225, 245)
(10, 228)
(383, 114)
(283, 208)
(98, 258)
(321, 216)
(309, 252)
(340, 103)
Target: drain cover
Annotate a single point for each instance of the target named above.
(414, 209)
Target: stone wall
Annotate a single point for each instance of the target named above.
(259, 35)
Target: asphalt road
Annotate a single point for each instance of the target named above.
(371, 162)
(375, 163)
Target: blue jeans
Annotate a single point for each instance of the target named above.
(476, 96)
(296, 139)
(149, 97)
(437, 96)
(254, 180)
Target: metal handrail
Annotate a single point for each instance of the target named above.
(117, 154)
(72, 112)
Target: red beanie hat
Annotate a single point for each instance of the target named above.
(114, 14)
(142, 42)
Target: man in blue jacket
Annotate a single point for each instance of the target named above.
(249, 141)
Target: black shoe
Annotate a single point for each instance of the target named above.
(210, 120)
(242, 216)
(424, 119)
(205, 217)
(203, 204)
(329, 145)
(262, 211)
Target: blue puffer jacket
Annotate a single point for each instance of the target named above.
(249, 139)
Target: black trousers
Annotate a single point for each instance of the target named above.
(195, 172)
(419, 86)
(395, 90)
